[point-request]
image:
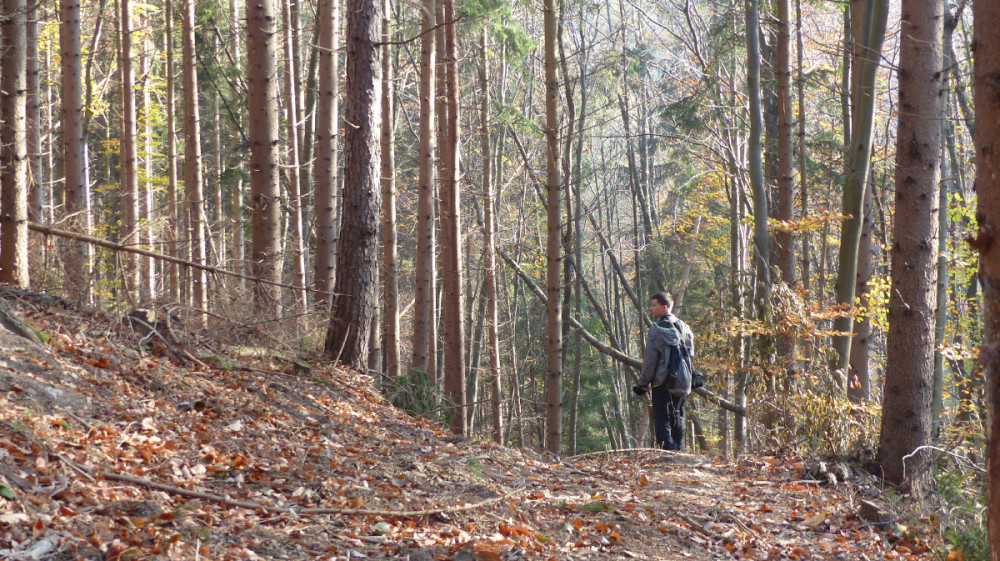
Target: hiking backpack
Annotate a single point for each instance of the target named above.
(675, 360)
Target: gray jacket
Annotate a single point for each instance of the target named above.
(656, 342)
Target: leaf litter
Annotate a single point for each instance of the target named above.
(111, 453)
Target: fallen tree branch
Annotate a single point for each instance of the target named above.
(49, 231)
(250, 505)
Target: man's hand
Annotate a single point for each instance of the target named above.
(640, 390)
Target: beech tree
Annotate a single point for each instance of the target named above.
(868, 21)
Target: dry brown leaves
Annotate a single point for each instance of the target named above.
(109, 453)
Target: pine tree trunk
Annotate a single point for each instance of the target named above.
(173, 207)
(489, 247)
(325, 169)
(75, 188)
(424, 270)
(294, 139)
(986, 79)
(906, 406)
(146, 210)
(390, 272)
(265, 217)
(193, 189)
(553, 246)
(13, 148)
(451, 237)
(356, 287)
(32, 115)
(129, 170)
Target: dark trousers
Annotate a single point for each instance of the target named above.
(668, 418)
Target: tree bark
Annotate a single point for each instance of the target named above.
(424, 270)
(75, 188)
(868, 21)
(553, 247)
(129, 171)
(173, 208)
(390, 271)
(265, 217)
(356, 288)
(32, 116)
(193, 189)
(986, 79)
(294, 139)
(451, 237)
(13, 147)
(489, 233)
(906, 406)
(325, 169)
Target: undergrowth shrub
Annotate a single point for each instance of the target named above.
(961, 491)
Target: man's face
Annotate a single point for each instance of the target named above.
(656, 309)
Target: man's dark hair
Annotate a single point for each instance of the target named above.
(664, 299)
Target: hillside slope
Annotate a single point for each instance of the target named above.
(115, 445)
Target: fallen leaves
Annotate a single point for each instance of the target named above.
(165, 462)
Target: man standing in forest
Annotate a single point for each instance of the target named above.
(668, 402)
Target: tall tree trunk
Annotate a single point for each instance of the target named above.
(356, 287)
(265, 219)
(786, 176)
(294, 139)
(193, 189)
(986, 79)
(451, 237)
(129, 176)
(756, 171)
(32, 115)
(906, 413)
(239, 244)
(325, 169)
(75, 188)
(173, 208)
(804, 185)
(146, 210)
(424, 273)
(868, 21)
(489, 242)
(553, 246)
(13, 148)
(390, 271)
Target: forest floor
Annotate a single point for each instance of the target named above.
(117, 446)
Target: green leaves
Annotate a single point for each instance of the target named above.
(6, 492)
